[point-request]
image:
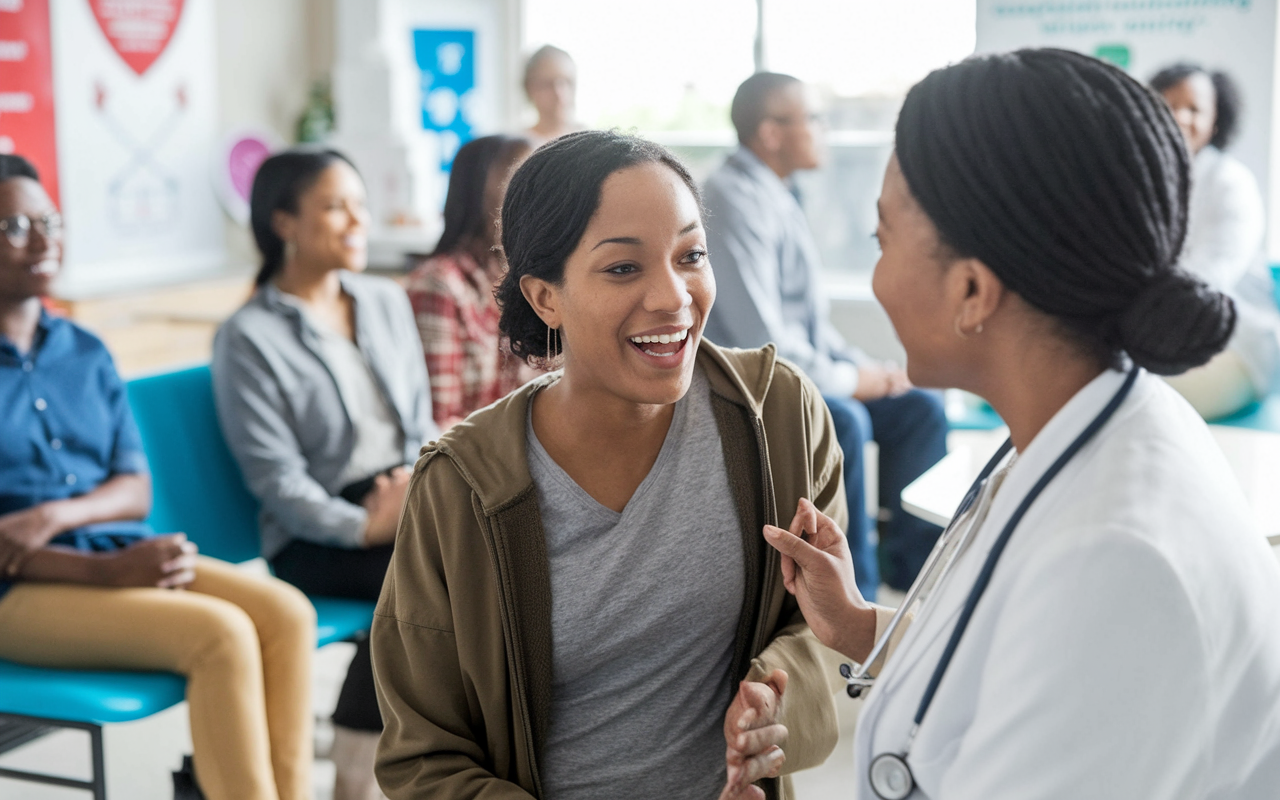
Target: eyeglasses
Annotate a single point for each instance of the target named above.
(17, 229)
(813, 118)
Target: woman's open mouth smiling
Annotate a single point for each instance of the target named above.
(662, 345)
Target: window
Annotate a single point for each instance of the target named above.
(669, 68)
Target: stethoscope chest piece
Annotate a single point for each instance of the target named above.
(891, 777)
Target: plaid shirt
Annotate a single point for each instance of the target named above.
(467, 361)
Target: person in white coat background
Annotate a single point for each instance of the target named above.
(1226, 228)
(1126, 643)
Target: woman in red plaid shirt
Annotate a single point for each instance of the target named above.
(452, 289)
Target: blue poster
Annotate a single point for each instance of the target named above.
(448, 63)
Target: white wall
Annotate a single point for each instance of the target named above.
(269, 53)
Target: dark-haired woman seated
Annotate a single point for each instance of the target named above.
(322, 395)
(85, 583)
(581, 604)
(1226, 228)
(452, 290)
(1100, 620)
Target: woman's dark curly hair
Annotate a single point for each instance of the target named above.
(549, 203)
(1229, 102)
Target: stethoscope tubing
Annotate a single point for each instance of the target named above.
(989, 567)
(857, 679)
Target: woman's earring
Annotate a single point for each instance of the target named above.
(290, 250)
(552, 354)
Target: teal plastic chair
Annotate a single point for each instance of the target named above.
(197, 489)
(1261, 416)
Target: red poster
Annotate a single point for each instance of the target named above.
(138, 30)
(26, 87)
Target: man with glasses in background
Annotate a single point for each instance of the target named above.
(769, 289)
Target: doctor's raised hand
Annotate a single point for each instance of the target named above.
(818, 569)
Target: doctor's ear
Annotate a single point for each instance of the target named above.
(543, 298)
(976, 292)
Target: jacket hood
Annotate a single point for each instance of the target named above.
(488, 447)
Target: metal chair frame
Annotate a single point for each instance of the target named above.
(17, 730)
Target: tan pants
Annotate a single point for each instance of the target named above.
(1219, 388)
(244, 643)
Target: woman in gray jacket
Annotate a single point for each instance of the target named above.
(322, 394)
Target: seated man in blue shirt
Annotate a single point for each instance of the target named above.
(84, 581)
(769, 289)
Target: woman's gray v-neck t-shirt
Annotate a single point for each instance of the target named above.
(644, 611)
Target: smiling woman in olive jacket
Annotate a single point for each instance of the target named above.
(581, 602)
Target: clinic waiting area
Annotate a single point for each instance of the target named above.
(714, 400)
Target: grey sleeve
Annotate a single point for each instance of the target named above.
(748, 310)
(254, 420)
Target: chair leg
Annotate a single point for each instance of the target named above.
(97, 784)
(99, 776)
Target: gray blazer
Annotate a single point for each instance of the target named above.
(283, 416)
(769, 275)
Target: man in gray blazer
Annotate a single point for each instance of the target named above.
(769, 289)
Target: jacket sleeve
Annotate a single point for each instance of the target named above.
(433, 739)
(748, 307)
(251, 411)
(813, 670)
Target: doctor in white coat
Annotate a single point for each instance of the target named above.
(1126, 639)
(1226, 228)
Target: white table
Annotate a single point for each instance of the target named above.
(1254, 457)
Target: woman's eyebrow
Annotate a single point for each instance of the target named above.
(632, 240)
(635, 240)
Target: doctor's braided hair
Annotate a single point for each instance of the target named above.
(1069, 180)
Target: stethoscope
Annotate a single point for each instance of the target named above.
(891, 777)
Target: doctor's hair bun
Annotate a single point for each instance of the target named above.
(1177, 322)
(1070, 181)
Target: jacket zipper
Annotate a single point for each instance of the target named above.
(771, 564)
(521, 695)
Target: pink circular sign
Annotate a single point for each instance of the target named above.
(243, 160)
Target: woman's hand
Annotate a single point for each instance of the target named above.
(22, 533)
(818, 570)
(166, 562)
(754, 736)
(383, 504)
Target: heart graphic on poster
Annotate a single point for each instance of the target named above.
(138, 30)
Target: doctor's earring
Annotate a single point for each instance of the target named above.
(960, 331)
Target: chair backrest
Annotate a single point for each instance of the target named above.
(196, 483)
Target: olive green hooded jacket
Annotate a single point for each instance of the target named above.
(461, 640)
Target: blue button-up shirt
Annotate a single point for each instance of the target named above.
(67, 428)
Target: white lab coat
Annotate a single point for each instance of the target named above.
(1226, 228)
(1128, 645)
